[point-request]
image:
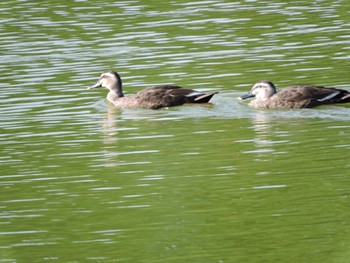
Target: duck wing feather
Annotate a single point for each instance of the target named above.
(310, 96)
(168, 95)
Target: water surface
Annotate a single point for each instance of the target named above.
(82, 181)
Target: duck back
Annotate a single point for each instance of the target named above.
(163, 96)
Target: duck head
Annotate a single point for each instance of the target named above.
(109, 80)
(262, 90)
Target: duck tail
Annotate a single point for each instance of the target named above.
(205, 98)
(338, 96)
(346, 97)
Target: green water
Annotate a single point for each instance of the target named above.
(82, 181)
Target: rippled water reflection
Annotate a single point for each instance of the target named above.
(82, 181)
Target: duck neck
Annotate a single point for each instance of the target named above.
(117, 90)
(267, 94)
(119, 93)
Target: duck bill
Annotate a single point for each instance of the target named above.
(247, 96)
(97, 85)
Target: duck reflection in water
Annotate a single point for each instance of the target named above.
(151, 98)
(298, 96)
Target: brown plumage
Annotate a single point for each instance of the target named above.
(151, 98)
(298, 96)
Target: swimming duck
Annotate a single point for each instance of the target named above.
(151, 98)
(298, 96)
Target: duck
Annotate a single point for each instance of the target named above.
(297, 96)
(155, 97)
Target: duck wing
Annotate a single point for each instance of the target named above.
(169, 95)
(304, 96)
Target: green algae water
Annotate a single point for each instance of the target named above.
(82, 181)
